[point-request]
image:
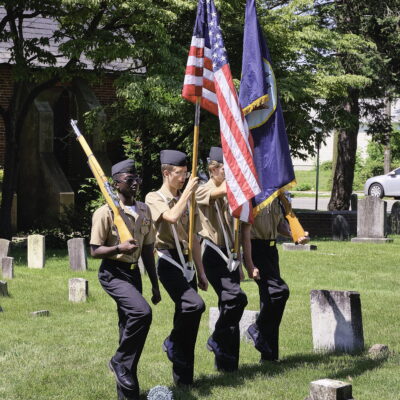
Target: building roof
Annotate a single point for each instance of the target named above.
(40, 27)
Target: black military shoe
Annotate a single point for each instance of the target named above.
(224, 362)
(122, 375)
(253, 334)
(174, 353)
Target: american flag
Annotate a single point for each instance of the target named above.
(208, 76)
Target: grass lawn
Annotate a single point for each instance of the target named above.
(64, 356)
(306, 180)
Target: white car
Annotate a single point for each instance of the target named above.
(384, 185)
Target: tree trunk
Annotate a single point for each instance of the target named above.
(342, 185)
(387, 153)
(10, 179)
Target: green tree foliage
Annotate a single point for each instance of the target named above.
(101, 31)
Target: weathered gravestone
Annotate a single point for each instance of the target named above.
(3, 289)
(371, 221)
(378, 351)
(7, 267)
(77, 254)
(40, 313)
(4, 247)
(249, 317)
(336, 321)
(329, 389)
(394, 220)
(78, 290)
(340, 228)
(36, 251)
(353, 201)
(299, 247)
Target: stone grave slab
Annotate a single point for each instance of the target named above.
(329, 389)
(40, 313)
(4, 248)
(249, 317)
(36, 251)
(7, 267)
(394, 220)
(78, 290)
(371, 221)
(77, 254)
(3, 289)
(299, 247)
(340, 228)
(336, 321)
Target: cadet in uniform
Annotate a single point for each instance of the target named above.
(218, 242)
(170, 214)
(262, 263)
(120, 277)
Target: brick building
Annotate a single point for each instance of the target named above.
(50, 159)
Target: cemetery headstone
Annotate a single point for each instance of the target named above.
(36, 251)
(1, 310)
(378, 350)
(299, 247)
(371, 221)
(249, 317)
(336, 321)
(353, 201)
(77, 254)
(394, 220)
(7, 267)
(329, 389)
(40, 313)
(340, 228)
(4, 247)
(78, 290)
(3, 289)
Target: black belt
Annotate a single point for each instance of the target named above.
(269, 242)
(119, 264)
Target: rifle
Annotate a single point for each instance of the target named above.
(120, 218)
(295, 226)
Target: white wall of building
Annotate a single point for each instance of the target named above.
(326, 150)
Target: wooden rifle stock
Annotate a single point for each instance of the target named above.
(295, 226)
(120, 219)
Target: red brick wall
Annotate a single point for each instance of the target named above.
(5, 95)
(105, 90)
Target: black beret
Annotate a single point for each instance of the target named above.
(216, 155)
(126, 166)
(173, 157)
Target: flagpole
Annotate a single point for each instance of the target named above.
(195, 157)
(236, 237)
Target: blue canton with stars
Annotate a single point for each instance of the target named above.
(207, 27)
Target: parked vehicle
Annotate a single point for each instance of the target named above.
(384, 185)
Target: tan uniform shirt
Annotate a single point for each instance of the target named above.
(266, 223)
(104, 232)
(210, 225)
(164, 235)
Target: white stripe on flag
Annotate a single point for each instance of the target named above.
(209, 95)
(208, 74)
(197, 42)
(193, 80)
(195, 61)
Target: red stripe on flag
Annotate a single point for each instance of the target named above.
(196, 51)
(192, 70)
(208, 64)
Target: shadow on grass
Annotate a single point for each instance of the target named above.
(344, 365)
